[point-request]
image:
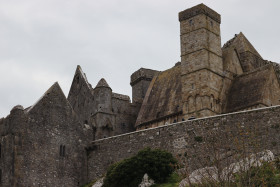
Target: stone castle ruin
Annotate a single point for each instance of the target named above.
(62, 141)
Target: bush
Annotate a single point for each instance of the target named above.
(158, 164)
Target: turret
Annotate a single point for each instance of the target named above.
(103, 120)
(140, 81)
(103, 96)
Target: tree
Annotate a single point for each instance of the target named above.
(158, 164)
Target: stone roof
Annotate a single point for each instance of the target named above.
(248, 89)
(53, 91)
(163, 97)
(102, 83)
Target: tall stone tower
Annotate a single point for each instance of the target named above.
(201, 61)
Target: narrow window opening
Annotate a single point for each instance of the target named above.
(86, 122)
(0, 176)
(78, 79)
(174, 121)
(183, 119)
(211, 105)
(63, 151)
(192, 86)
(60, 150)
(190, 22)
(211, 22)
(0, 150)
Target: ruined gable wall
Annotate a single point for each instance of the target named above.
(53, 146)
(180, 138)
(81, 97)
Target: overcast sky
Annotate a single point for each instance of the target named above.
(42, 41)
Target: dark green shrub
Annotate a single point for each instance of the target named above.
(156, 163)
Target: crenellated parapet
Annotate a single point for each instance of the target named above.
(140, 81)
(199, 9)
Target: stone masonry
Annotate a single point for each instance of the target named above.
(70, 141)
(183, 138)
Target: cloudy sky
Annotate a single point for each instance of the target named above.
(42, 41)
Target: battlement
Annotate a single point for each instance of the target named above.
(199, 9)
(142, 74)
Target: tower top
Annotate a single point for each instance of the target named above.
(102, 83)
(199, 9)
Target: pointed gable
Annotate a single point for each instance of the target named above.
(80, 88)
(81, 95)
(250, 59)
(102, 83)
(79, 80)
(54, 96)
(241, 44)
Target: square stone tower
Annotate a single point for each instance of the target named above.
(201, 61)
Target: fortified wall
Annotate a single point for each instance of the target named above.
(44, 144)
(189, 138)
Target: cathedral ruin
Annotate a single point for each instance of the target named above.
(47, 144)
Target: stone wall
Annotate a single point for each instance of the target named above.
(43, 145)
(126, 114)
(107, 113)
(184, 138)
